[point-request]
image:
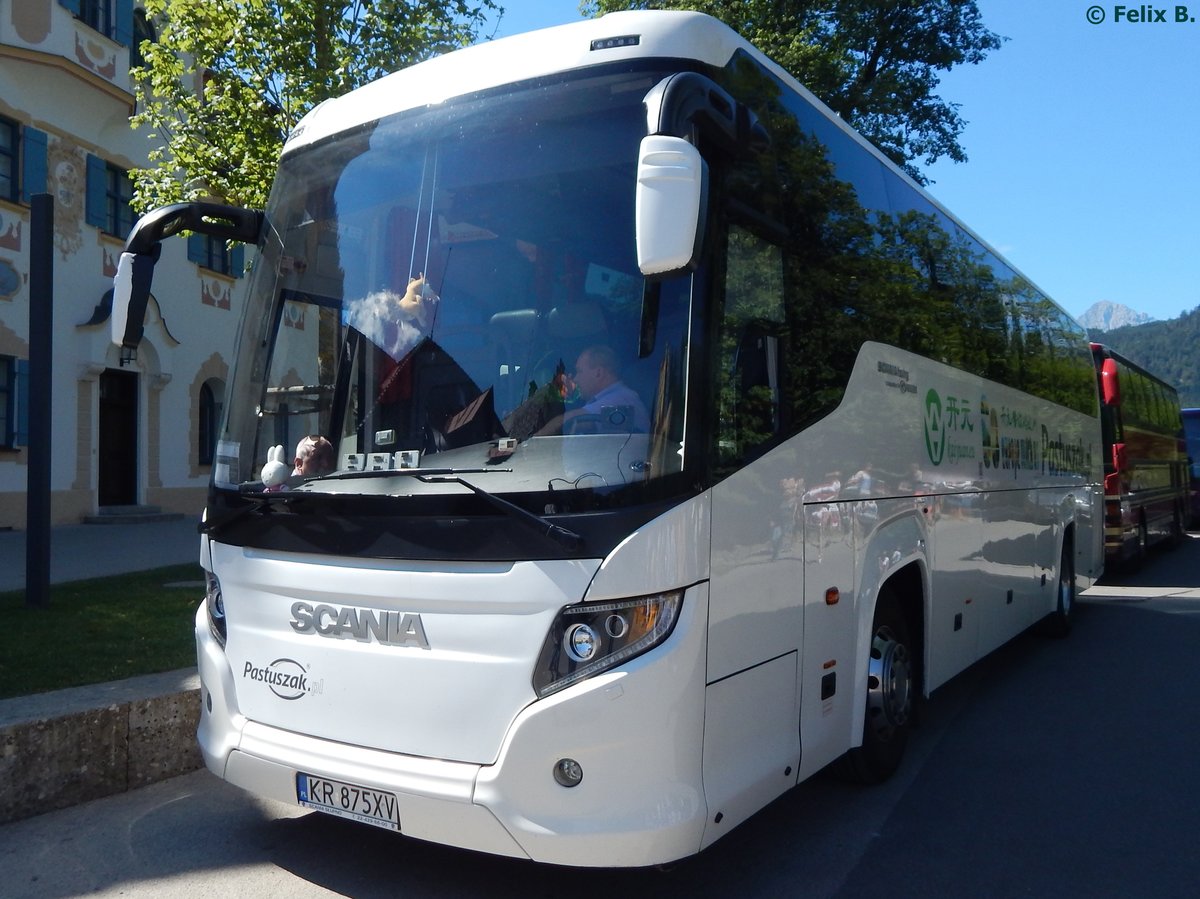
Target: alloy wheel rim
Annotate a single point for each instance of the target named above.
(889, 684)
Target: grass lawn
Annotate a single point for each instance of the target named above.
(100, 630)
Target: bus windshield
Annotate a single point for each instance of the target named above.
(455, 289)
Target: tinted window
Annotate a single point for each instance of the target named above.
(867, 256)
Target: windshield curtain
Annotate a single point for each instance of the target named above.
(456, 288)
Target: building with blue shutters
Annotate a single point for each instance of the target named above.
(134, 436)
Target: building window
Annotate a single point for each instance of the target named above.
(109, 198)
(209, 420)
(9, 157)
(112, 18)
(215, 254)
(96, 14)
(22, 161)
(7, 401)
(118, 202)
(142, 31)
(14, 405)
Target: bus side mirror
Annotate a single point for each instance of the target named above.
(135, 269)
(1110, 386)
(672, 187)
(672, 179)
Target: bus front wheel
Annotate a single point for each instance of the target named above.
(891, 689)
(1058, 622)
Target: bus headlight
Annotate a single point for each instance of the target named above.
(588, 638)
(215, 604)
(581, 643)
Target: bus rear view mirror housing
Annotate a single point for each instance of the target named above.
(683, 110)
(672, 187)
(135, 269)
(1110, 385)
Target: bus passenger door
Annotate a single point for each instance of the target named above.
(756, 614)
(831, 613)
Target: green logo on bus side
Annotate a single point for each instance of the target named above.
(935, 435)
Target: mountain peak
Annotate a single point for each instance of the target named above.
(1105, 316)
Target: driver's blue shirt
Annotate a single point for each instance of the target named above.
(616, 396)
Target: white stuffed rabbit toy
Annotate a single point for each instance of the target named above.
(276, 471)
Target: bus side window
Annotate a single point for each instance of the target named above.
(750, 347)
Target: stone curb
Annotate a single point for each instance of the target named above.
(70, 746)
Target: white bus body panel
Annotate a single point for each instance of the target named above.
(484, 622)
(635, 730)
(665, 554)
(465, 746)
(971, 499)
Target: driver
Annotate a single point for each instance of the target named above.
(599, 381)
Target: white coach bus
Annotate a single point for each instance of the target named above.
(680, 444)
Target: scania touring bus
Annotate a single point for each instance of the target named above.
(681, 445)
(1146, 479)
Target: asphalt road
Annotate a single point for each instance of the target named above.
(1053, 768)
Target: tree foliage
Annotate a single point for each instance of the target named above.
(227, 80)
(874, 62)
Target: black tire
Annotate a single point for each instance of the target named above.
(1143, 545)
(1177, 528)
(890, 699)
(1058, 622)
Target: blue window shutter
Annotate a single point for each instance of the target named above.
(97, 198)
(123, 25)
(72, 5)
(33, 152)
(198, 249)
(237, 260)
(21, 437)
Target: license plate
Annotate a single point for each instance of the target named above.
(348, 801)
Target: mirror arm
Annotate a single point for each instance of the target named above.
(135, 269)
(687, 102)
(214, 219)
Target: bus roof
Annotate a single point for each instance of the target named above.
(659, 34)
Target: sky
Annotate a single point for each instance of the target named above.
(1083, 146)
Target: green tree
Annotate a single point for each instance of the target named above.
(227, 80)
(874, 62)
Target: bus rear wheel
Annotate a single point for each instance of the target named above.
(891, 693)
(1143, 544)
(1177, 527)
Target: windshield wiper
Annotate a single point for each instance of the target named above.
(563, 536)
(400, 473)
(254, 502)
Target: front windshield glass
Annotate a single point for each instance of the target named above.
(456, 288)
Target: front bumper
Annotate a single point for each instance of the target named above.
(637, 732)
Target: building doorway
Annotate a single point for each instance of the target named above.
(118, 438)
